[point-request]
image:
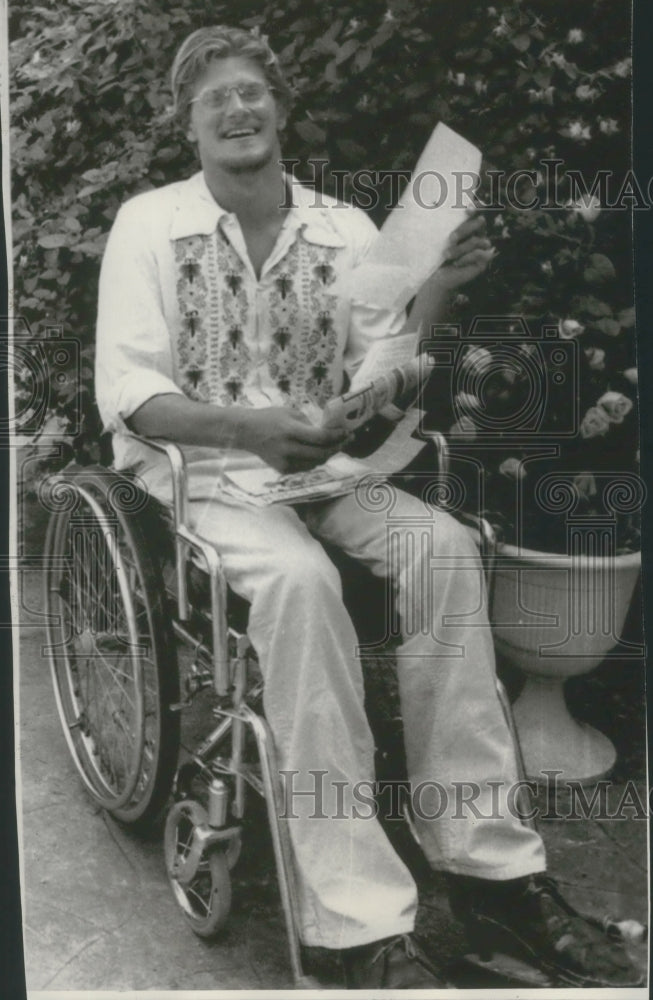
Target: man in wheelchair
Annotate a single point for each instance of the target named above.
(218, 326)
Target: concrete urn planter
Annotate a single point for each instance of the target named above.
(556, 616)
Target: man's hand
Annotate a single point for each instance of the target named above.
(468, 253)
(286, 440)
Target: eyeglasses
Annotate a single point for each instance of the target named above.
(217, 98)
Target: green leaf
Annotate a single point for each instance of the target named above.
(351, 149)
(627, 317)
(310, 132)
(608, 326)
(595, 307)
(346, 50)
(362, 58)
(600, 269)
(521, 42)
(51, 241)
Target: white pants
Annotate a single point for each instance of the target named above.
(353, 887)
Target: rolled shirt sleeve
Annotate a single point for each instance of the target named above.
(133, 347)
(367, 323)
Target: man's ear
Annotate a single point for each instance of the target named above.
(190, 133)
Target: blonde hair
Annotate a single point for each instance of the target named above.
(219, 42)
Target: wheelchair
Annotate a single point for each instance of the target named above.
(128, 583)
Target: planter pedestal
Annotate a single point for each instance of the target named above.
(553, 617)
(552, 739)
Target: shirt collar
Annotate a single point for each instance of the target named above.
(198, 213)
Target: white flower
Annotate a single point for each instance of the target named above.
(492, 12)
(631, 375)
(501, 28)
(22, 260)
(575, 36)
(569, 329)
(595, 358)
(586, 93)
(531, 153)
(615, 406)
(588, 206)
(622, 68)
(608, 126)
(388, 16)
(72, 126)
(498, 219)
(353, 24)
(558, 59)
(585, 485)
(465, 402)
(546, 94)
(595, 423)
(480, 86)
(510, 373)
(459, 79)
(512, 468)
(36, 58)
(546, 266)
(476, 360)
(576, 130)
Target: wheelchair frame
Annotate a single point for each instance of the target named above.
(210, 843)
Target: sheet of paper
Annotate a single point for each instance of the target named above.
(412, 241)
(399, 448)
(383, 356)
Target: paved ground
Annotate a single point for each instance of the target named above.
(98, 912)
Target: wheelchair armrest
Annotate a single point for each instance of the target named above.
(177, 464)
(185, 537)
(439, 443)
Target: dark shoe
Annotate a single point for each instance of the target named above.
(393, 963)
(529, 919)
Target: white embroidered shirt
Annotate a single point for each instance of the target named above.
(182, 311)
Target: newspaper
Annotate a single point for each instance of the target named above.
(390, 372)
(412, 242)
(339, 475)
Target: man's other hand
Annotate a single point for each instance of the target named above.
(286, 440)
(468, 253)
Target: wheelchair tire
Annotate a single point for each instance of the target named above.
(110, 644)
(206, 901)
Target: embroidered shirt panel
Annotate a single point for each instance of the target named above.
(276, 335)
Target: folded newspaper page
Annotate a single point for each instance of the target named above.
(265, 486)
(412, 242)
(390, 372)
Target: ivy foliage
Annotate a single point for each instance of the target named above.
(527, 81)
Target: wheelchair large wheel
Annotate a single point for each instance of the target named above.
(110, 645)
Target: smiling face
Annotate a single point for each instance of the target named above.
(240, 136)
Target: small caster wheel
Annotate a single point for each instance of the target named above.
(206, 899)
